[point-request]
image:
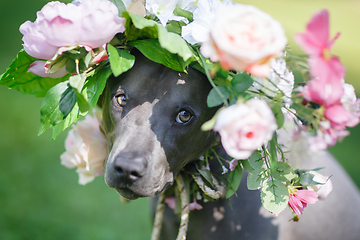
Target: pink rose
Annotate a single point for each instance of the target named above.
(244, 38)
(245, 127)
(86, 149)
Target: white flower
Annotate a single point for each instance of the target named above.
(244, 38)
(245, 127)
(279, 79)
(86, 149)
(198, 31)
(324, 188)
(164, 9)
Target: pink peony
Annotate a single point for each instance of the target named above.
(326, 69)
(245, 127)
(298, 199)
(86, 149)
(244, 38)
(91, 24)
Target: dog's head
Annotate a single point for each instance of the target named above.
(152, 118)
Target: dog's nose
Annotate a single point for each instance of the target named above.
(130, 167)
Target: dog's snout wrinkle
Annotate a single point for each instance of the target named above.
(130, 167)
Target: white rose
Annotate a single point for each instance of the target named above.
(245, 127)
(244, 38)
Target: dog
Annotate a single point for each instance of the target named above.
(152, 117)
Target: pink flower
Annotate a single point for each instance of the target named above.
(326, 69)
(171, 202)
(86, 149)
(91, 24)
(194, 205)
(244, 38)
(324, 188)
(298, 199)
(245, 127)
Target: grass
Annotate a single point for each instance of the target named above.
(40, 199)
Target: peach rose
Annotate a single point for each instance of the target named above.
(244, 38)
(245, 127)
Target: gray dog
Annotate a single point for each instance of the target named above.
(152, 118)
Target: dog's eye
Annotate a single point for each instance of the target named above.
(183, 116)
(121, 100)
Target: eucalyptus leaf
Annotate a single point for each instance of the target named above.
(214, 99)
(241, 82)
(120, 60)
(274, 196)
(257, 179)
(152, 49)
(234, 181)
(17, 77)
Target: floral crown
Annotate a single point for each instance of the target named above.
(71, 50)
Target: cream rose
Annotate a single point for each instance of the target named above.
(86, 149)
(245, 127)
(244, 38)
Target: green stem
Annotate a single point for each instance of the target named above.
(211, 80)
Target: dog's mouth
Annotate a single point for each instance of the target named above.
(127, 193)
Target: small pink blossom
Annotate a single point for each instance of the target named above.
(233, 163)
(245, 127)
(298, 199)
(86, 149)
(326, 69)
(244, 38)
(171, 202)
(194, 205)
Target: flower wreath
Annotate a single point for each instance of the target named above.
(71, 50)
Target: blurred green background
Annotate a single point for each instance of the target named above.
(40, 199)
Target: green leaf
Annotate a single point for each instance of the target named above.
(279, 116)
(96, 85)
(120, 5)
(65, 123)
(241, 82)
(120, 60)
(256, 160)
(138, 27)
(234, 181)
(206, 174)
(57, 104)
(307, 179)
(214, 99)
(77, 81)
(274, 196)
(17, 77)
(175, 26)
(245, 164)
(183, 13)
(283, 172)
(152, 49)
(257, 179)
